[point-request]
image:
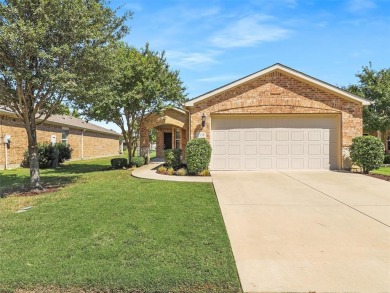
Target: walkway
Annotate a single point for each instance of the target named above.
(149, 172)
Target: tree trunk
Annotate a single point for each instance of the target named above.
(35, 180)
(129, 151)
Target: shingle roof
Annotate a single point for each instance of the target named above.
(69, 121)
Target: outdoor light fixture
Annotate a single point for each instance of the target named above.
(203, 120)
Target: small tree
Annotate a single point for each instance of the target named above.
(374, 86)
(48, 48)
(367, 152)
(198, 155)
(139, 82)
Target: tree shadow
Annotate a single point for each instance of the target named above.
(50, 178)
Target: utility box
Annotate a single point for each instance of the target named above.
(53, 139)
(7, 138)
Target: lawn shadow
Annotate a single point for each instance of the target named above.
(50, 178)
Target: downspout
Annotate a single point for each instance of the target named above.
(82, 144)
(5, 145)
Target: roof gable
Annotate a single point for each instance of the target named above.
(286, 70)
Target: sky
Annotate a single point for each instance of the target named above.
(215, 42)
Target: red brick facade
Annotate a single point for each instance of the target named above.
(94, 144)
(279, 93)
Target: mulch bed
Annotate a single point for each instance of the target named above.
(379, 176)
(34, 193)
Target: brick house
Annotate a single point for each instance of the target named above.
(276, 118)
(86, 139)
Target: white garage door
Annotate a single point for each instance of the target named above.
(278, 142)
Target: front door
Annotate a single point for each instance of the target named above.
(167, 140)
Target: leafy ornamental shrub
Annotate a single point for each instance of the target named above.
(386, 159)
(367, 152)
(181, 172)
(118, 163)
(198, 154)
(47, 154)
(172, 158)
(137, 161)
(162, 170)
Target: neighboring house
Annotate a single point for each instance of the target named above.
(86, 139)
(277, 118)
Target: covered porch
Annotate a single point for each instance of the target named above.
(171, 131)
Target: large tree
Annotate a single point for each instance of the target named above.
(374, 85)
(48, 48)
(140, 82)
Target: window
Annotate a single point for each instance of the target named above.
(65, 134)
(177, 138)
(388, 142)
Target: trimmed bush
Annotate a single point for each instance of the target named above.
(118, 163)
(172, 158)
(170, 171)
(181, 172)
(205, 172)
(47, 154)
(198, 155)
(386, 160)
(162, 170)
(367, 152)
(137, 161)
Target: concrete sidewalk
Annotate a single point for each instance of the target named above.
(149, 172)
(307, 231)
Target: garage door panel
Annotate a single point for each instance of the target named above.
(265, 135)
(274, 143)
(297, 163)
(265, 149)
(265, 163)
(234, 163)
(234, 135)
(282, 163)
(282, 149)
(250, 149)
(234, 150)
(219, 150)
(250, 163)
(219, 135)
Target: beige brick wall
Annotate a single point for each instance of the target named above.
(95, 144)
(279, 93)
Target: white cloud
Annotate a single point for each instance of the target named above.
(360, 5)
(191, 60)
(249, 31)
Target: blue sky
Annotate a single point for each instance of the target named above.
(215, 42)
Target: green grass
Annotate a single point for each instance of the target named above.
(382, 171)
(107, 230)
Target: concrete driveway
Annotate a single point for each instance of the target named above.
(307, 231)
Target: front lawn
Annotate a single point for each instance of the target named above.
(382, 171)
(106, 230)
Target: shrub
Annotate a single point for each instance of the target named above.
(170, 171)
(386, 159)
(118, 163)
(64, 152)
(198, 155)
(367, 152)
(172, 158)
(137, 161)
(181, 172)
(47, 154)
(162, 170)
(205, 172)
